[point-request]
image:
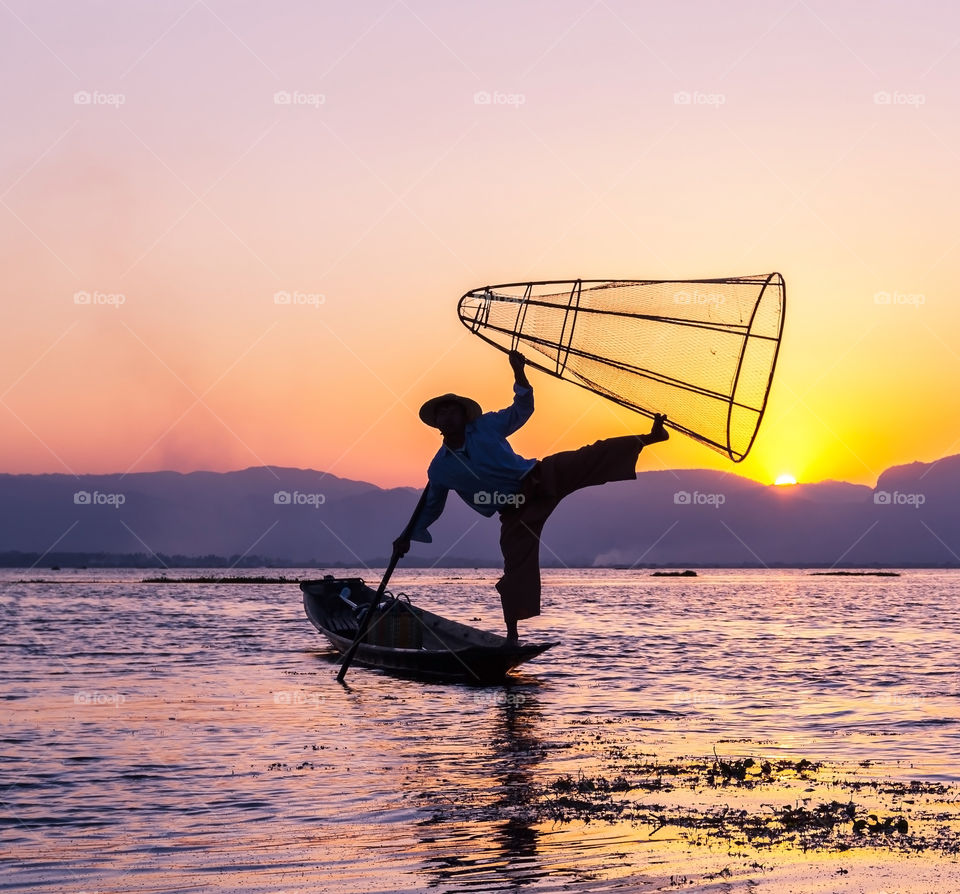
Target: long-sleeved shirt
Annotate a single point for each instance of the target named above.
(485, 471)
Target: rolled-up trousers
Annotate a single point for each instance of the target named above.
(543, 487)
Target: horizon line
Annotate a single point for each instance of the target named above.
(420, 486)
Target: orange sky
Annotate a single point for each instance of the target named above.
(383, 191)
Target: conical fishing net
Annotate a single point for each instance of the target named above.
(701, 351)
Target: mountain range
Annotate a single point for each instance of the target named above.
(267, 515)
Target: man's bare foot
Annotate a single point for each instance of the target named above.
(657, 432)
(512, 635)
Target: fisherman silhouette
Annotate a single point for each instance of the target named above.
(477, 462)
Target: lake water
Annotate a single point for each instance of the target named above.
(189, 737)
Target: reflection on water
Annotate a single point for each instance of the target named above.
(504, 779)
(516, 754)
(165, 737)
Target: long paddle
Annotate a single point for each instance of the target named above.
(368, 617)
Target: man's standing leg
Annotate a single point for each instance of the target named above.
(553, 478)
(520, 530)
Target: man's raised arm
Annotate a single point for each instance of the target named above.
(517, 363)
(514, 416)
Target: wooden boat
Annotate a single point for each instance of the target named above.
(409, 640)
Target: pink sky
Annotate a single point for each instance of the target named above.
(384, 191)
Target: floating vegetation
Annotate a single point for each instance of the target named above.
(751, 802)
(220, 580)
(746, 772)
(674, 574)
(833, 825)
(827, 824)
(751, 772)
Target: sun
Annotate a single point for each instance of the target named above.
(785, 479)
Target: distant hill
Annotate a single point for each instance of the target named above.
(291, 516)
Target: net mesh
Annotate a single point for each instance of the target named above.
(700, 351)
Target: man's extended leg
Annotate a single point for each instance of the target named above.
(612, 459)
